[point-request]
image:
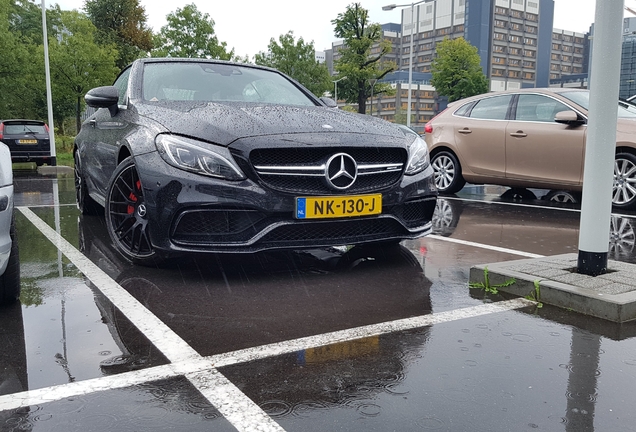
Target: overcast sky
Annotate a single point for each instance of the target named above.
(248, 25)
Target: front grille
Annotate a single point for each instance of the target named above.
(336, 232)
(306, 168)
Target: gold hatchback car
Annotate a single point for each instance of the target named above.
(529, 138)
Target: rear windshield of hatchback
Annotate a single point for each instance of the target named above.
(21, 129)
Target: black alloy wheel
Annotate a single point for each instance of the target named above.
(127, 215)
(448, 172)
(85, 204)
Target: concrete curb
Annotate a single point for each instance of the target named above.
(611, 296)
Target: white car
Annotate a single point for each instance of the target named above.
(9, 258)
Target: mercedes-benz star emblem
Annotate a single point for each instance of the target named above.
(341, 171)
(141, 210)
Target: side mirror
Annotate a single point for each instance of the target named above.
(569, 118)
(103, 97)
(330, 103)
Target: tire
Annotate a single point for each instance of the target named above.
(519, 194)
(622, 238)
(561, 196)
(448, 172)
(127, 217)
(10, 279)
(446, 216)
(85, 204)
(624, 189)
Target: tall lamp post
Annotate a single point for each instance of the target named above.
(335, 87)
(412, 5)
(49, 98)
(372, 82)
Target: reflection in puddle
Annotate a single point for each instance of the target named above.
(558, 231)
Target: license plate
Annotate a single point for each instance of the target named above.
(27, 141)
(338, 206)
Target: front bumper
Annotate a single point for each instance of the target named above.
(193, 213)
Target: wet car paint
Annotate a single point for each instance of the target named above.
(545, 369)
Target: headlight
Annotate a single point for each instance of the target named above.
(418, 156)
(198, 157)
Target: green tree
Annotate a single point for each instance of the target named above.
(298, 60)
(190, 33)
(356, 61)
(122, 23)
(26, 20)
(401, 116)
(78, 64)
(17, 68)
(456, 71)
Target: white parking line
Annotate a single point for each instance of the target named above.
(168, 342)
(484, 246)
(202, 372)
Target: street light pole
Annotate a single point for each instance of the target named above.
(372, 82)
(391, 7)
(335, 85)
(408, 99)
(49, 98)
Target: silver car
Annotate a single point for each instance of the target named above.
(9, 258)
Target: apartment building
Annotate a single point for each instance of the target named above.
(568, 55)
(512, 37)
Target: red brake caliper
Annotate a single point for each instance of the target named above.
(133, 198)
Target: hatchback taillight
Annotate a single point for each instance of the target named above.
(1, 130)
(46, 128)
(429, 127)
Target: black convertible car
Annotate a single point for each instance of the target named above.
(188, 155)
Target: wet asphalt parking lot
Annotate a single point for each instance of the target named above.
(360, 339)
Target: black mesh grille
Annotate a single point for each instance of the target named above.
(195, 224)
(337, 232)
(317, 185)
(416, 213)
(314, 157)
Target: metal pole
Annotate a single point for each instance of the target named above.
(372, 82)
(600, 149)
(408, 99)
(49, 100)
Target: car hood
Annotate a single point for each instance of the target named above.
(227, 122)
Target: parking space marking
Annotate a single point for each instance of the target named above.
(529, 206)
(225, 399)
(202, 372)
(160, 335)
(291, 346)
(485, 246)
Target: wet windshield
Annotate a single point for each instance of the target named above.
(582, 98)
(215, 82)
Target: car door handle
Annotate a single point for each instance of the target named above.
(519, 134)
(465, 131)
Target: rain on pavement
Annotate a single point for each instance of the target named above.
(352, 339)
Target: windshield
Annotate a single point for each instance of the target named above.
(214, 82)
(582, 98)
(18, 129)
